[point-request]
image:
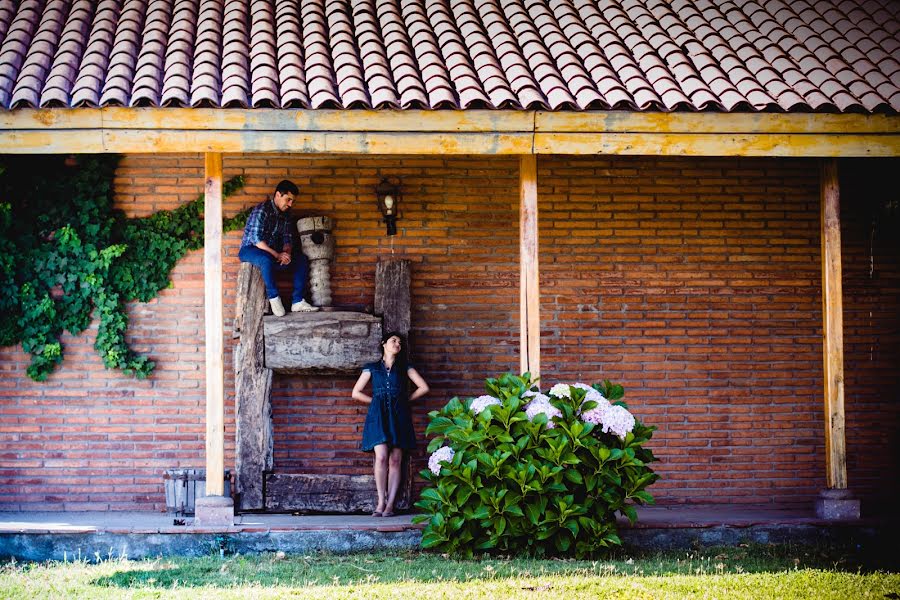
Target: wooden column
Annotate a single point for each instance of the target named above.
(529, 290)
(833, 328)
(215, 350)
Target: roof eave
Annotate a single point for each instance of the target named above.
(415, 132)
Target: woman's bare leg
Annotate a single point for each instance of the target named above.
(395, 463)
(381, 476)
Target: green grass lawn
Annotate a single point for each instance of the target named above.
(742, 572)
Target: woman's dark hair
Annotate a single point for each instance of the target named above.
(402, 358)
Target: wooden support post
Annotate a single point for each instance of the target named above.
(529, 290)
(214, 509)
(215, 350)
(836, 501)
(832, 329)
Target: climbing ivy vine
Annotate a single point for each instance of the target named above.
(67, 256)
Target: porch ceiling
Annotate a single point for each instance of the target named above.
(172, 130)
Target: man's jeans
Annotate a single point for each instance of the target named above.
(268, 265)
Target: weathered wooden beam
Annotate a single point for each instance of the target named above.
(154, 130)
(833, 329)
(685, 122)
(473, 121)
(324, 493)
(529, 286)
(215, 344)
(253, 452)
(392, 298)
(718, 144)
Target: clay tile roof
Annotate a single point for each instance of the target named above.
(639, 55)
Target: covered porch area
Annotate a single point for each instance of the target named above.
(527, 138)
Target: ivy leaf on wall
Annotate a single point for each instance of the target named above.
(66, 257)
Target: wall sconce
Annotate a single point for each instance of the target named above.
(388, 192)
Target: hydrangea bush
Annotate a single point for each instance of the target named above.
(517, 471)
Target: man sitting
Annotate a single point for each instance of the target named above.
(267, 243)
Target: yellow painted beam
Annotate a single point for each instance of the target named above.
(484, 132)
(719, 144)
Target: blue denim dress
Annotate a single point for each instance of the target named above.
(389, 420)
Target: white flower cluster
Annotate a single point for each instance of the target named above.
(617, 420)
(561, 390)
(611, 418)
(540, 404)
(482, 402)
(442, 454)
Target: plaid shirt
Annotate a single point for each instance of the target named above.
(267, 224)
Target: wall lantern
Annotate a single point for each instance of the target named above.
(388, 192)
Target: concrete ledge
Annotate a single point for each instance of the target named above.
(103, 546)
(101, 535)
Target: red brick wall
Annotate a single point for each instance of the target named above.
(693, 282)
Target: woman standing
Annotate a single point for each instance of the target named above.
(388, 430)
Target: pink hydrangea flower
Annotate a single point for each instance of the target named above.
(482, 402)
(442, 454)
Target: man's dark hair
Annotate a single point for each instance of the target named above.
(287, 187)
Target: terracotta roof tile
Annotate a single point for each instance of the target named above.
(116, 90)
(725, 55)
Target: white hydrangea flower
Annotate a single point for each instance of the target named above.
(595, 415)
(442, 454)
(529, 394)
(482, 402)
(595, 396)
(618, 421)
(540, 404)
(561, 390)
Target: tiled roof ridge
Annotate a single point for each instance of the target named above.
(836, 56)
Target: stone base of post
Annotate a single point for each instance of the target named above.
(837, 505)
(214, 511)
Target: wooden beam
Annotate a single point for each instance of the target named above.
(471, 121)
(484, 132)
(718, 144)
(529, 290)
(833, 329)
(214, 323)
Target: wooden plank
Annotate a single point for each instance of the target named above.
(50, 141)
(529, 289)
(486, 121)
(718, 144)
(633, 122)
(253, 452)
(213, 324)
(306, 142)
(392, 298)
(326, 493)
(137, 141)
(833, 329)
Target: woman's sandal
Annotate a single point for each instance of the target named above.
(378, 514)
(388, 513)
